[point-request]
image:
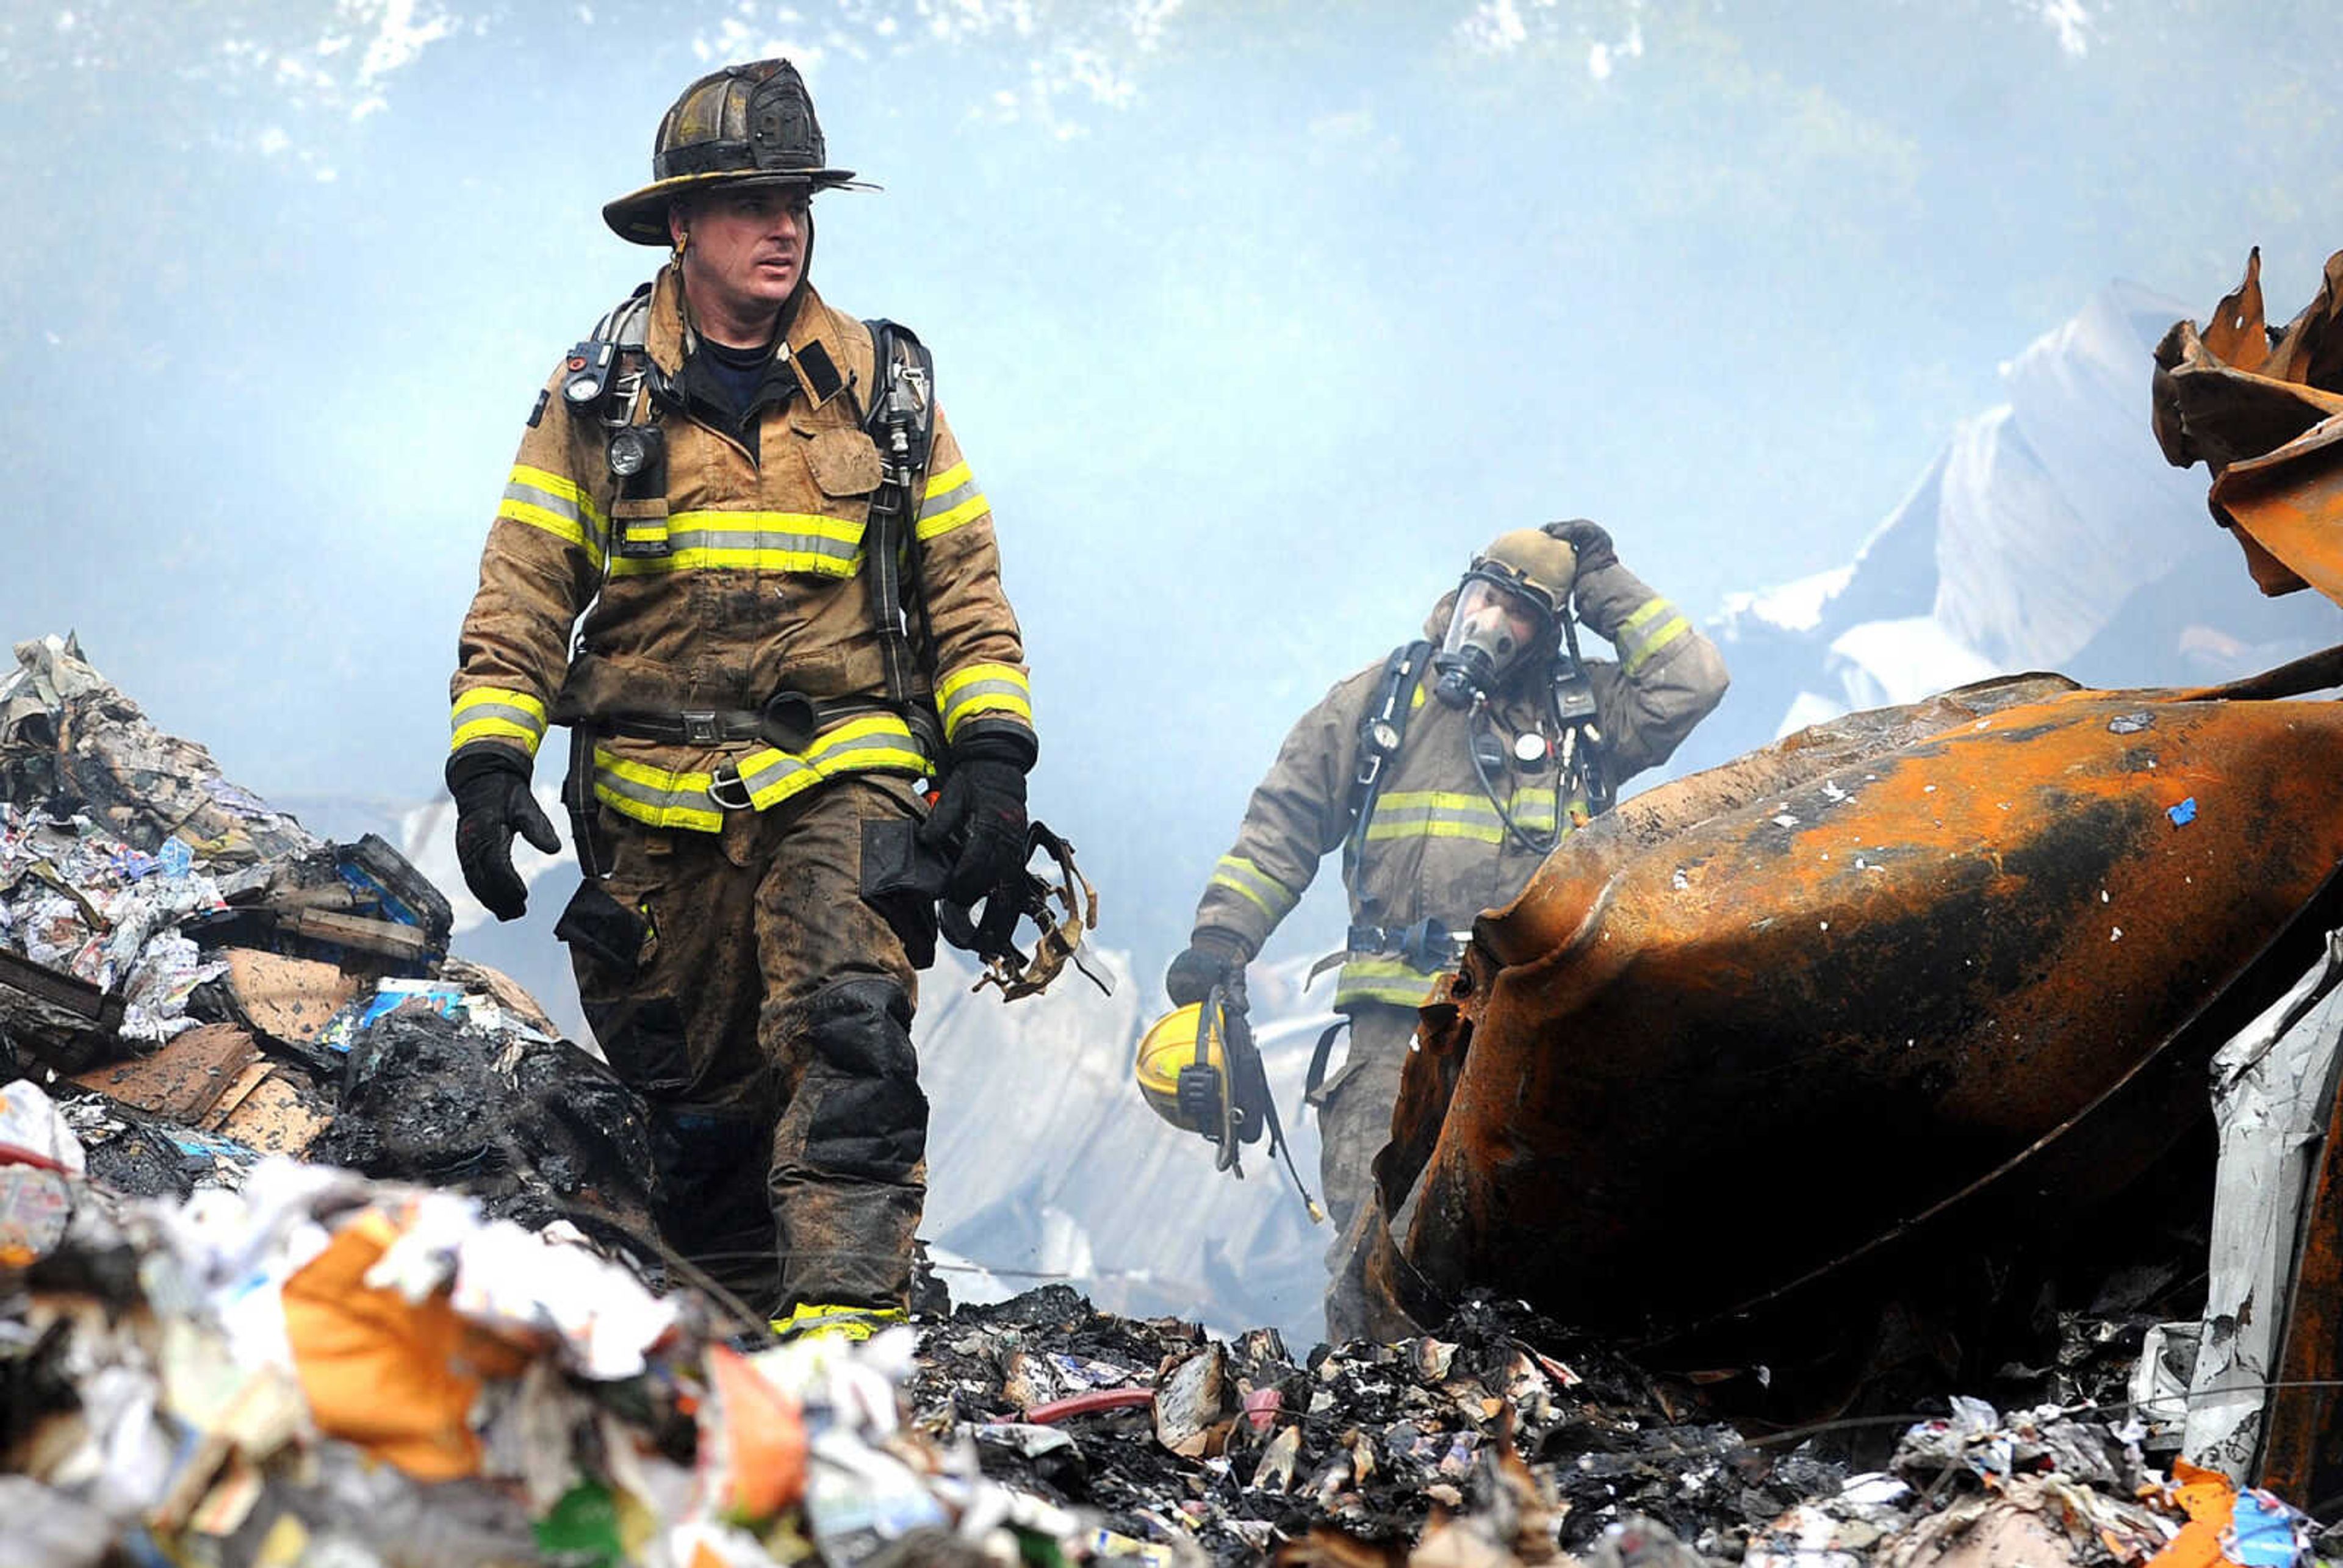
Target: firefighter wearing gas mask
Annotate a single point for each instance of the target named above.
(792, 616)
(1445, 773)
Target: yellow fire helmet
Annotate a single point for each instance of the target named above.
(1197, 1067)
(1181, 1040)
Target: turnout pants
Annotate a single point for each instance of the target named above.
(1354, 1114)
(740, 984)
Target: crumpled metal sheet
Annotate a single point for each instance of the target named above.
(1858, 987)
(2262, 411)
(2273, 1087)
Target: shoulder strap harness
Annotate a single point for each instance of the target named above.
(900, 419)
(1383, 728)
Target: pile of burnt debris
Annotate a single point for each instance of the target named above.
(1502, 1439)
(204, 983)
(319, 1244)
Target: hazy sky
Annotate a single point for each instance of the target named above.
(1254, 319)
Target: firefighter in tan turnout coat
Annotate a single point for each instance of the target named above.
(789, 620)
(1445, 774)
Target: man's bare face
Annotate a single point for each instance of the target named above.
(746, 250)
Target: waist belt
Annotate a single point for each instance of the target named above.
(1430, 945)
(788, 721)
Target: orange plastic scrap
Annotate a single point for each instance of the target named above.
(752, 1441)
(2260, 413)
(2208, 1498)
(394, 1377)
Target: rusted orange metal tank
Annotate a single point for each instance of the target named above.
(1759, 1016)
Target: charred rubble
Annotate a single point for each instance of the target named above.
(318, 1243)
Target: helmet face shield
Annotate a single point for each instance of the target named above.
(1494, 630)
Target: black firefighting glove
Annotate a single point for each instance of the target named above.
(1591, 541)
(1211, 959)
(982, 810)
(493, 803)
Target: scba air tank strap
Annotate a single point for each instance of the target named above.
(1383, 729)
(899, 417)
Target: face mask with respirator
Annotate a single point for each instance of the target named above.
(1494, 629)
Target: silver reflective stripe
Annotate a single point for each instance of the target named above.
(781, 773)
(1240, 875)
(961, 698)
(838, 752)
(1653, 626)
(1382, 979)
(1392, 821)
(647, 794)
(588, 526)
(776, 542)
(935, 506)
(504, 711)
(1534, 809)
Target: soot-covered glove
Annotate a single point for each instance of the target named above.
(493, 803)
(982, 810)
(1211, 960)
(1591, 541)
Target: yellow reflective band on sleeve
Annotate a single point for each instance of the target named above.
(1639, 638)
(974, 688)
(1240, 875)
(952, 499)
(544, 501)
(1388, 980)
(805, 543)
(871, 743)
(489, 713)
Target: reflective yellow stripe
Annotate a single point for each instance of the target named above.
(654, 795)
(1479, 832)
(1637, 645)
(491, 712)
(1447, 814)
(842, 1322)
(541, 499)
(1643, 612)
(500, 697)
(559, 486)
(975, 688)
(873, 743)
(878, 742)
(1533, 808)
(796, 542)
(568, 530)
(1658, 640)
(968, 511)
(1434, 814)
(1383, 979)
(1240, 875)
(1433, 800)
(951, 499)
(496, 729)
